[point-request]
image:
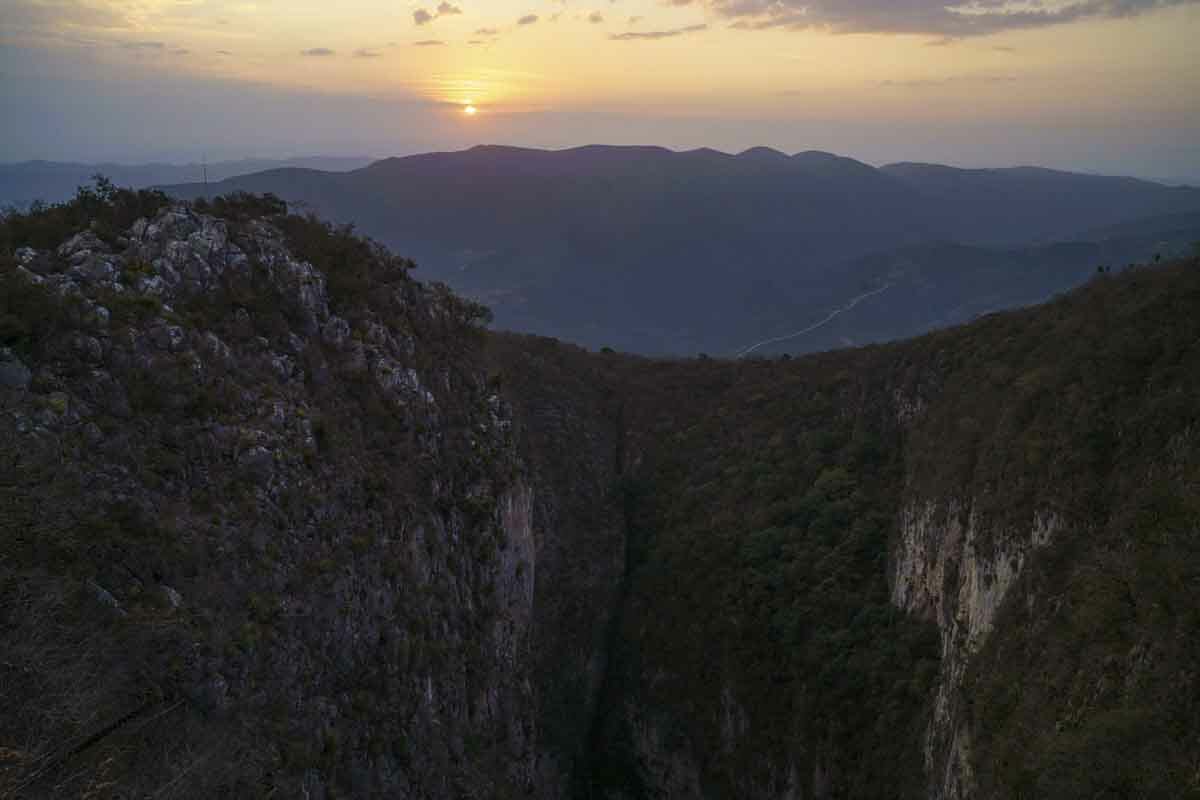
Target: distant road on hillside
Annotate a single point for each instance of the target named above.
(832, 315)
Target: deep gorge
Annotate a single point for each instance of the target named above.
(277, 517)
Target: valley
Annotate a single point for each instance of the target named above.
(669, 253)
(314, 529)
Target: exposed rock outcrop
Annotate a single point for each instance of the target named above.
(946, 569)
(358, 618)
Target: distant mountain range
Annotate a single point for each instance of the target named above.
(55, 181)
(661, 252)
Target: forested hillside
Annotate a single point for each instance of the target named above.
(664, 253)
(280, 519)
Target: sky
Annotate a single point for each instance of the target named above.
(1094, 85)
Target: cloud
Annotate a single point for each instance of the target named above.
(143, 45)
(528, 19)
(318, 52)
(631, 36)
(924, 83)
(595, 18)
(60, 13)
(423, 17)
(487, 32)
(429, 43)
(947, 18)
(365, 52)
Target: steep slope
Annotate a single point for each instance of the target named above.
(1051, 529)
(652, 251)
(263, 525)
(279, 519)
(1027, 486)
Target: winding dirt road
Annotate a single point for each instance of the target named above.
(811, 328)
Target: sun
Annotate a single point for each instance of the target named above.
(470, 110)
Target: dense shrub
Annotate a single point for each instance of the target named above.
(106, 209)
(242, 206)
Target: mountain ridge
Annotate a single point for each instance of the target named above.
(664, 252)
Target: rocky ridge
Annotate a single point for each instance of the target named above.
(319, 607)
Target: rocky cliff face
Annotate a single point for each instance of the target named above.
(277, 518)
(305, 523)
(1025, 472)
(944, 572)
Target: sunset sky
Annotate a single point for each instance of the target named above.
(1101, 85)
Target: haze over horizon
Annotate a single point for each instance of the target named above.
(236, 165)
(1110, 87)
(600, 399)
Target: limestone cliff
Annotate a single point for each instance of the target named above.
(260, 536)
(1046, 488)
(943, 572)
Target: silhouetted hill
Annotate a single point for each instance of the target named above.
(1022, 204)
(1165, 226)
(55, 181)
(654, 251)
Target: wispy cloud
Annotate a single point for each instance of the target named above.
(923, 83)
(630, 36)
(955, 19)
(528, 19)
(318, 52)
